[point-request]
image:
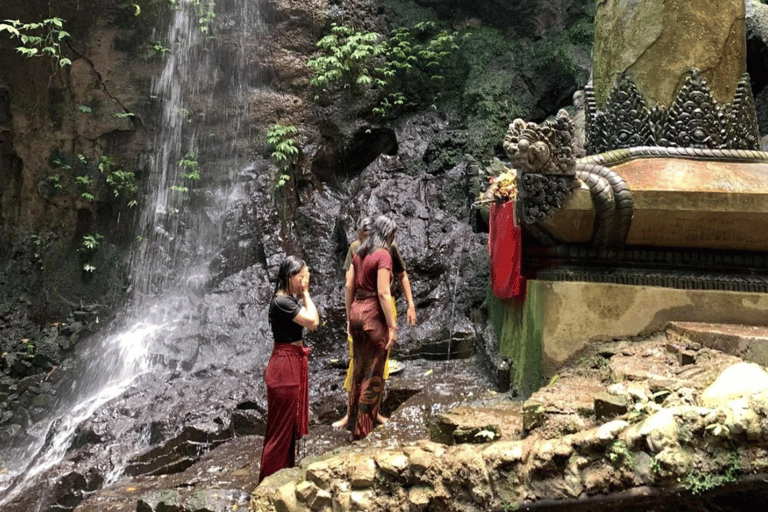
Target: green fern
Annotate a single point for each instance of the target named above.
(285, 151)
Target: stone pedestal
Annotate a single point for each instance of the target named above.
(567, 316)
(682, 203)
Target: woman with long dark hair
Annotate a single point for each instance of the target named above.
(372, 324)
(286, 374)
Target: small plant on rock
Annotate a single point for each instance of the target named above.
(285, 151)
(38, 256)
(84, 185)
(618, 454)
(190, 171)
(119, 181)
(347, 57)
(698, 481)
(399, 68)
(89, 245)
(39, 39)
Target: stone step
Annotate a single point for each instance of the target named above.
(749, 342)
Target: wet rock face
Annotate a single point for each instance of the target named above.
(137, 429)
(414, 170)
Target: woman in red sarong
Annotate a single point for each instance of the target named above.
(286, 372)
(372, 324)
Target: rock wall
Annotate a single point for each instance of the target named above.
(422, 166)
(57, 124)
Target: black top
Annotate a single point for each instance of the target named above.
(282, 310)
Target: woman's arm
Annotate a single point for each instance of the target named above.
(410, 314)
(349, 291)
(385, 299)
(307, 316)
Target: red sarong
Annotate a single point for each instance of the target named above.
(370, 335)
(287, 407)
(505, 249)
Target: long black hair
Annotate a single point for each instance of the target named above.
(380, 236)
(290, 266)
(364, 226)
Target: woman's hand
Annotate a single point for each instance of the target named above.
(392, 336)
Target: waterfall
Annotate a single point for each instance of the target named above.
(195, 162)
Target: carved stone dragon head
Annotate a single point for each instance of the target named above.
(545, 148)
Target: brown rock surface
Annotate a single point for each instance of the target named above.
(664, 451)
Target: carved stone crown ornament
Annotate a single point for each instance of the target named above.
(695, 119)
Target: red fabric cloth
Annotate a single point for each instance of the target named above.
(370, 334)
(505, 249)
(287, 407)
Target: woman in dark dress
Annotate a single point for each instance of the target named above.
(286, 373)
(372, 324)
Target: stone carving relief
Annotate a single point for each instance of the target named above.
(544, 155)
(694, 120)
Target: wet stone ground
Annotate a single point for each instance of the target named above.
(631, 425)
(223, 478)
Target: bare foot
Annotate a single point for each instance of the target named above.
(340, 423)
(381, 419)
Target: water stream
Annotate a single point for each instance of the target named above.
(182, 223)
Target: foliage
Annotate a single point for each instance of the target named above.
(27, 349)
(698, 481)
(204, 9)
(409, 61)
(414, 57)
(190, 166)
(190, 171)
(119, 181)
(618, 454)
(88, 246)
(82, 172)
(38, 242)
(152, 50)
(285, 151)
(205, 14)
(39, 39)
(347, 59)
(84, 185)
(55, 182)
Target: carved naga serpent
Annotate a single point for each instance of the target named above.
(543, 154)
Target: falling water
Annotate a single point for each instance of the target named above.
(182, 222)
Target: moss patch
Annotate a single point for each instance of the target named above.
(520, 331)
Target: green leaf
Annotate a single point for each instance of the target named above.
(9, 28)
